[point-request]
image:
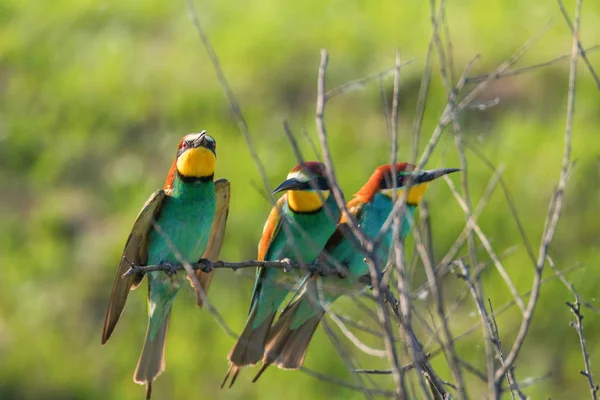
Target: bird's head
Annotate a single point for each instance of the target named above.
(195, 159)
(384, 181)
(303, 184)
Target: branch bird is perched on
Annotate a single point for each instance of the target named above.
(290, 336)
(310, 221)
(191, 212)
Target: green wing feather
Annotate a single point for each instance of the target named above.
(217, 233)
(135, 252)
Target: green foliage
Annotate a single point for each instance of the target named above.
(95, 95)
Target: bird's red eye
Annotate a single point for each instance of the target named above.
(184, 145)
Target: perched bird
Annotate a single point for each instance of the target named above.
(290, 336)
(184, 221)
(297, 229)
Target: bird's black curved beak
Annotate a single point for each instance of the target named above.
(205, 140)
(428, 176)
(290, 184)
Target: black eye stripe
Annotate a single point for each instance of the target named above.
(386, 182)
(318, 183)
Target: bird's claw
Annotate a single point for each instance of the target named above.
(171, 269)
(288, 264)
(207, 265)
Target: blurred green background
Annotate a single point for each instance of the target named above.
(94, 96)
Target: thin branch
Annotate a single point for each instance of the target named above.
(361, 83)
(571, 288)
(207, 266)
(505, 307)
(346, 356)
(513, 72)
(406, 367)
(554, 211)
(530, 381)
(509, 200)
(339, 382)
(512, 383)
(579, 45)
(488, 247)
(460, 241)
(356, 341)
(485, 321)
(400, 204)
(421, 361)
(232, 100)
(578, 325)
(448, 345)
(356, 234)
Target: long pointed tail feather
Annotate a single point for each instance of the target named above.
(249, 348)
(152, 361)
(286, 347)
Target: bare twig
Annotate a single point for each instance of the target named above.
(530, 381)
(485, 320)
(505, 307)
(406, 367)
(356, 234)
(448, 344)
(348, 359)
(339, 382)
(512, 383)
(361, 82)
(488, 247)
(207, 266)
(554, 212)
(232, 100)
(455, 248)
(421, 360)
(509, 201)
(356, 341)
(571, 288)
(519, 71)
(578, 325)
(579, 45)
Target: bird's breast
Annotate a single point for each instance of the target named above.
(184, 230)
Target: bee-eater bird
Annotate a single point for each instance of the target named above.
(290, 335)
(309, 224)
(183, 222)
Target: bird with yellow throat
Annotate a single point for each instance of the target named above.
(182, 222)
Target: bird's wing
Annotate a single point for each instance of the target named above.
(270, 231)
(217, 233)
(355, 207)
(135, 253)
(271, 228)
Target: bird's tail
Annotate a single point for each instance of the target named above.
(152, 361)
(250, 346)
(287, 344)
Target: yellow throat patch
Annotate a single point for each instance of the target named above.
(415, 194)
(305, 201)
(197, 162)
